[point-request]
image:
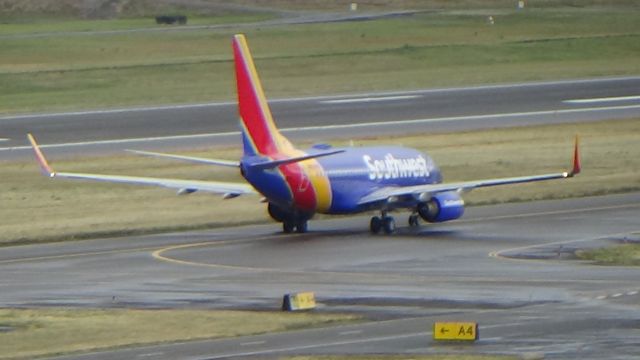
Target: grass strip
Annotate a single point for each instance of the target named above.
(51, 331)
(446, 48)
(36, 208)
(619, 255)
(405, 357)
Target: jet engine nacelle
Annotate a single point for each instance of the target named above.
(442, 207)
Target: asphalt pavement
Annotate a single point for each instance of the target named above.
(509, 267)
(323, 118)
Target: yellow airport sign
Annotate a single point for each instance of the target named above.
(467, 331)
(299, 301)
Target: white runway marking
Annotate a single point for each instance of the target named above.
(631, 293)
(151, 354)
(321, 345)
(328, 97)
(4, 139)
(601, 100)
(369, 99)
(352, 332)
(338, 126)
(253, 343)
(115, 111)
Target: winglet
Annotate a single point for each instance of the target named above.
(576, 159)
(44, 165)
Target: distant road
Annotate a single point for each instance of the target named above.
(356, 115)
(286, 18)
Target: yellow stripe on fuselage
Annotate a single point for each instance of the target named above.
(318, 179)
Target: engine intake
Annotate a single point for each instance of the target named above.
(442, 207)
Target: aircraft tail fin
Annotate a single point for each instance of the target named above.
(259, 133)
(577, 167)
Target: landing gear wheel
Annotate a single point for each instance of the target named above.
(375, 225)
(301, 227)
(287, 227)
(413, 220)
(389, 225)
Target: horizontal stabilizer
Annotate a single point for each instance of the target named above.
(276, 163)
(194, 159)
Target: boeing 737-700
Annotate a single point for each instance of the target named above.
(297, 184)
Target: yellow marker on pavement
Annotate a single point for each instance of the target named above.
(467, 331)
(299, 301)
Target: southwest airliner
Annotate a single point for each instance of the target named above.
(297, 184)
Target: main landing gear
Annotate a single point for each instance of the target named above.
(289, 227)
(384, 222)
(388, 224)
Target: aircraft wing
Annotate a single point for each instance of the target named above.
(424, 192)
(183, 186)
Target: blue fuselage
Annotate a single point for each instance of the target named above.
(345, 178)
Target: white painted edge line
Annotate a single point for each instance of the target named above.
(320, 345)
(253, 343)
(350, 332)
(328, 97)
(599, 100)
(424, 334)
(336, 127)
(116, 111)
(153, 354)
(369, 99)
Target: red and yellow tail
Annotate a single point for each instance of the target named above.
(259, 133)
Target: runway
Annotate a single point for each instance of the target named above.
(328, 117)
(509, 267)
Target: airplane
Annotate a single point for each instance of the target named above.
(297, 184)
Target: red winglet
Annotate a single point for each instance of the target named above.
(576, 159)
(44, 165)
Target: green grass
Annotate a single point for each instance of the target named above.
(36, 208)
(47, 25)
(428, 50)
(47, 332)
(626, 255)
(404, 357)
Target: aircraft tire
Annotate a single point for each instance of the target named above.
(389, 225)
(375, 225)
(287, 227)
(302, 227)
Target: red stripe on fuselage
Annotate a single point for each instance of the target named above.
(302, 189)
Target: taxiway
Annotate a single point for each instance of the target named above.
(509, 267)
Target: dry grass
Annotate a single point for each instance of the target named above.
(626, 255)
(39, 332)
(35, 208)
(449, 48)
(404, 357)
